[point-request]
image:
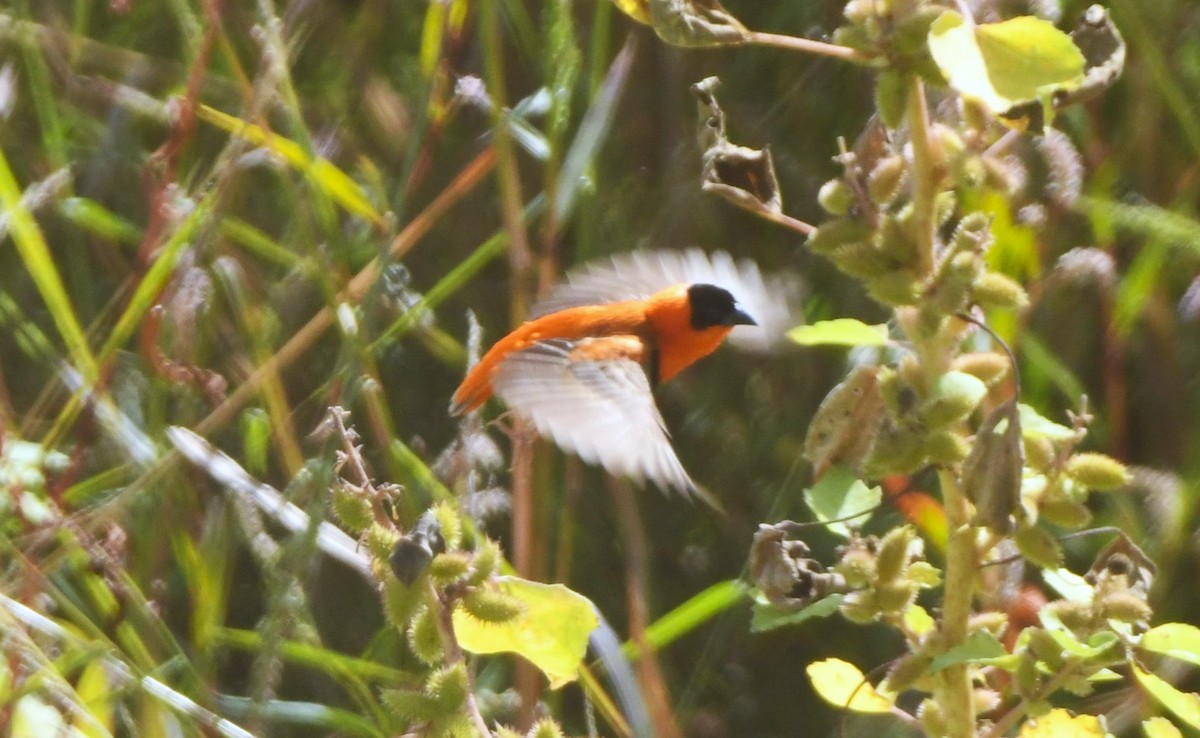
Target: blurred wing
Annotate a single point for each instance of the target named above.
(602, 411)
(639, 274)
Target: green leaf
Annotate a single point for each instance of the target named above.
(1160, 727)
(1177, 640)
(1069, 585)
(695, 23)
(1059, 723)
(1096, 645)
(1005, 64)
(979, 646)
(840, 494)
(768, 617)
(842, 685)
(840, 332)
(1185, 705)
(1034, 425)
(552, 632)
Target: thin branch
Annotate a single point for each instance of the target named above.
(454, 653)
(923, 174)
(807, 45)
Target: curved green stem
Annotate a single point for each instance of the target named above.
(954, 688)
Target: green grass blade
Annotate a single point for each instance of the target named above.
(333, 181)
(35, 253)
(690, 615)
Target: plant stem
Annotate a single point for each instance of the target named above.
(954, 690)
(923, 171)
(807, 45)
(454, 654)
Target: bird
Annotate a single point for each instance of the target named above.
(583, 368)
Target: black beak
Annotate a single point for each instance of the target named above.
(740, 317)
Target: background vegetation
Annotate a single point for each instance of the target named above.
(189, 277)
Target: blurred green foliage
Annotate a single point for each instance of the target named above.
(138, 200)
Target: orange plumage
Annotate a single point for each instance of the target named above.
(583, 371)
(660, 323)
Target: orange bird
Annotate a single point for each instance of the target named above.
(583, 368)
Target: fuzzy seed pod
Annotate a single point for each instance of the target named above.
(894, 289)
(995, 290)
(1074, 615)
(409, 706)
(447, 687)
(353, 509)
(932, 719)
(948, 141)
(896, 242)
(833, 233)
(859, 607)
(1039, 453)
(545, 728)
(1043, 646)
(1125, 606)
(973, 233)
(944, 205)
(953, 397)
(898, 449)
(450, 524)
(836, 197)
(989, 367)
(399, 603)
(381, 540)
(894, 552)
(1027, 678)
(985, 700)
(450, 567)
(485, 562)
(492, 606)
(423, 637)
(895, 597)
(946, 447)
(884, 180)
(857, 566)
(905, 671)
(1097, 471)
(1065, 513)
(861, 259)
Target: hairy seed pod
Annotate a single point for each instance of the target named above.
(353, 509)
(1065, 513)
(1097, 471)
(833, 233)
(1125, 606)
(423, 637)
(836, 197)
(491, 606)
(895, 551)
(884, 180)
(450, 567)
(995, 290)
(485, 562)
(989, 367)
(448, 687)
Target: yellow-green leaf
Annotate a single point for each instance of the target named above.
(1160, 727)
(1004, 64)
(1178, 640)
(842, 685)
(1185, 705)
(639, 10)
(552, 632)
(1061, 724)
(333, 181)
(840, 332)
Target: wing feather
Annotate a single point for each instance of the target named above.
(639, 274)
(601, 410)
